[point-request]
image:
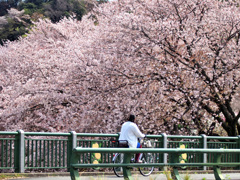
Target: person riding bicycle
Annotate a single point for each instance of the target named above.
(130, 133)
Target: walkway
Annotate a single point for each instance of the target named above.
(232, 176)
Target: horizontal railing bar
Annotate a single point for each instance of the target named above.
(7, 138)
(8, 133)
(154, 136)
(68, 134)
(96, 135)
(30, 139)
(46, 134)
(184, 137)
(7, 168)
(95, 140)
(151, 164)
(221, 142)
(185, 142)
(200, 137)
(153, 150)
(222, 137)
(54, 167)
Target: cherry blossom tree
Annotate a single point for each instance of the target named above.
(175, 64)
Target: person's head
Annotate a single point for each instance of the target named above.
(131, 118)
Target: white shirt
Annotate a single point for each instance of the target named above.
(130, 132)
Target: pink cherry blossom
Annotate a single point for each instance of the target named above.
(175, 64)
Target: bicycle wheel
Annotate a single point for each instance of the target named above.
(147, 158)
(118, 159)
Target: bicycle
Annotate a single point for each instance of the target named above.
(144, 158)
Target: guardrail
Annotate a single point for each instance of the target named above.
(25, 151)
(174, 160)
(21, 151)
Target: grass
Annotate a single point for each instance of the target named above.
(98, 178)
(187, 177)
(4, 176)
(227, 176)
(151, 178)
(169, 174)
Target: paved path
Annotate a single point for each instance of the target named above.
(230, 176)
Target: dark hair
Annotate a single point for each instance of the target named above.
(131, 118)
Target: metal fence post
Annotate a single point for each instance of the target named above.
(19, 152)
(238, 146)
(72, 143)
(204, 146)
(164, 145)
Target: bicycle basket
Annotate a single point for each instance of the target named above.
(147, 144)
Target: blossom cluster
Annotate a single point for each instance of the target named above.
(174, 64)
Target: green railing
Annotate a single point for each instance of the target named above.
(25, 151)
(7, 150)
(173, 153)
